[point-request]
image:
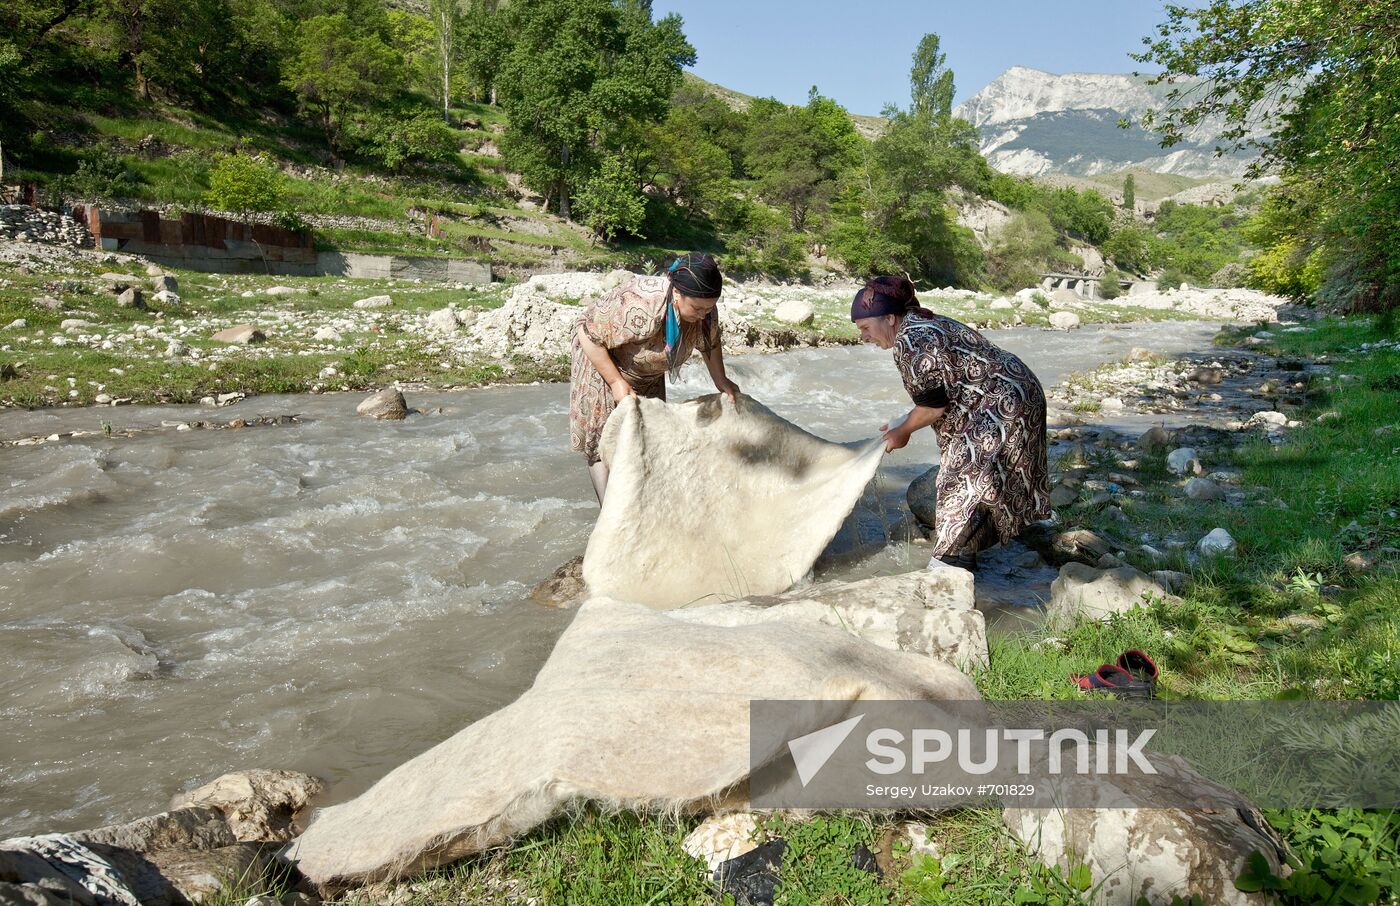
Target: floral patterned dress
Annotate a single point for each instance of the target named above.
(630, 323)
(992, 436)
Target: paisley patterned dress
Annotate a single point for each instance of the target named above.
(630, 323)
(994, 468)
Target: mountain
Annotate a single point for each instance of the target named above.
(1037, 123)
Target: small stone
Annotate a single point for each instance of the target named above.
(1267, 420)
(238, 423)
(102, 399)
(374, 302)
(386, 404)
(1139, 354)
(1154, 438)
(1063, 496)
(242, 334)
(1111, 404)
(1217, 543)
(1204, 489)
(74, 324)
(281, 291)
(326, 334)
(226, 399)
(1001, 304)
(131, 298)
(1064, 320)
(164, 283)
(17, 324)
(118, 282)
(795, 311)
(165, 297)
(1173, 581)
(1360, 561)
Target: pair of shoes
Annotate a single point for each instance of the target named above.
(1134, 675)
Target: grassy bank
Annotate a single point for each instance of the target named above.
(1309, 608)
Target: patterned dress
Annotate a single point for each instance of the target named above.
(629, 322)
(993, 471)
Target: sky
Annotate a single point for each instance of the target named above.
(859, 53)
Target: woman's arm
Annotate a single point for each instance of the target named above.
(603, 361)
(714, 361)
(918, 417)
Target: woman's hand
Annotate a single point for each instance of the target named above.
(895, 438)
(621, 390)
(728, 388)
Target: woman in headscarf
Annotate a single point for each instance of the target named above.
(629, 340)
(988, 410)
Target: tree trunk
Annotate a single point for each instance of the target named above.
(564, 210)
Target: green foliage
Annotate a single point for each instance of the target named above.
(1024, 249)
(1346, 856)
(1171, 277)
(397, 138)
(580, 78)
(1129, 192)
(339, 71)
(1108, 284)
(611, 201)
(759, 242)
(1087, 214)
(1306, 75)
(484, 42)
(795, 157)
(1128, 248)
(101, 175)
(244, 184)
(930, 82)
(1196, 240)
(818, 864)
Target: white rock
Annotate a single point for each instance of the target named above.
(1267, 419)
(1083, 592)
(102, 399)
(326, 333)
(281, 291)
(1002, 304)
(386, 404)
(74, 324)
(1217, 544)
(1183, 461)
(17, 324)
(1064, 320)
(374, 302)
(720, 838)
(444, 320)
(794, 311)
(176, 349)
(166, 297)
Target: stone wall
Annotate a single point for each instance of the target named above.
(29, 224)
(202, 242)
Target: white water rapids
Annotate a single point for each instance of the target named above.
(337, 595)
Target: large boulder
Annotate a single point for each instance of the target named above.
(795, 311)
(259, 805)
(1082, 592)
(444, 320)
(922, 497)
(373, 302)
(1204, 489)
(1064, 320)
(1217, 543)
(563, 588)
(1064, 298)
(386, 404)
(131, 298)
(1135, 851)
(164, 283)
(242, 334)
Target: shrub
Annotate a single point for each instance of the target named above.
(244, 184)
(1171, 278)
(398, 139)
(1108, 283)
(101, 175)
(611, 201)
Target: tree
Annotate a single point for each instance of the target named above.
(611, 201)
(337, 72)
(245, 184)
(931, 84)
(445, 16)
(793, 157)
(580, 75)
(1308, 84)
(485, 40)
(1129, 193)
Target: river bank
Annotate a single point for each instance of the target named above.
(84, 328)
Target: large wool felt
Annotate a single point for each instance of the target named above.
(634, 708)
(708, 500)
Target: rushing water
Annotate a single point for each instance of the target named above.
(337, 595)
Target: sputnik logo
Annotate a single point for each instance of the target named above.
(811, 752)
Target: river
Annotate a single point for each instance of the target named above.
(337, 595)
